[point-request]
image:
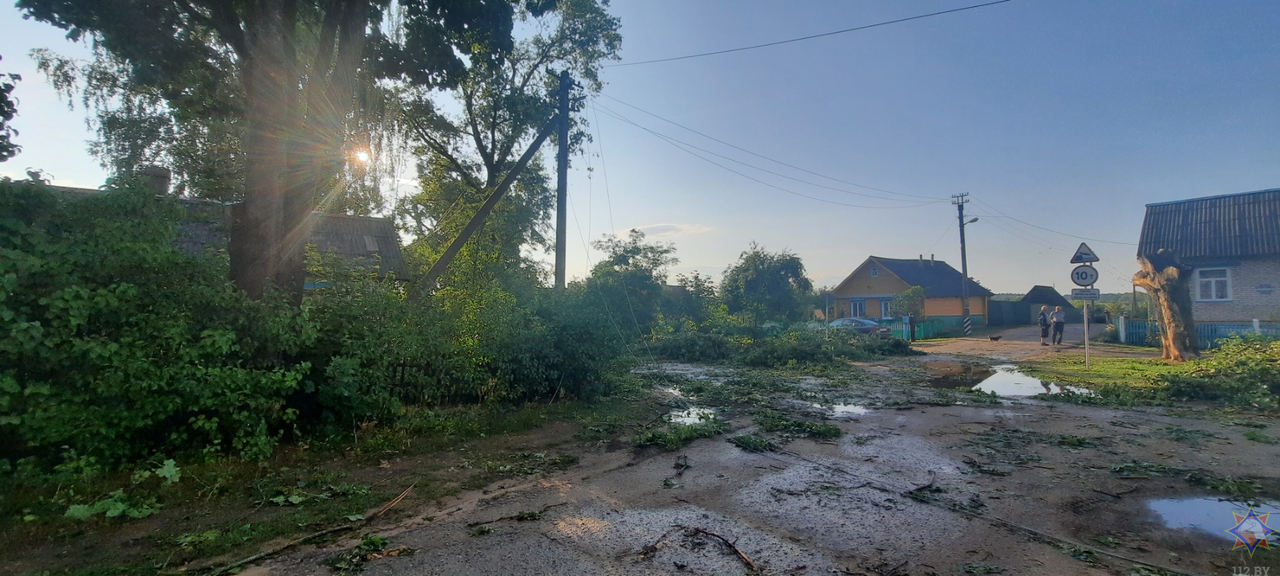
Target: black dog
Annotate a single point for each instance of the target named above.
(994, 338)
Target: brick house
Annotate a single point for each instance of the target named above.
(1232, 243)
(869, 290)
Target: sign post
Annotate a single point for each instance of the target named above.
(1085, 275)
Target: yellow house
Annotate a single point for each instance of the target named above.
(868, 292)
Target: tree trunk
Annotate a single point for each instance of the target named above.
(256, 223)
(1165, 278)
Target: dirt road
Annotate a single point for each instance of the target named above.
(922, 481)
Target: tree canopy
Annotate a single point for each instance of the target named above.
(766, 284)
(8, 109)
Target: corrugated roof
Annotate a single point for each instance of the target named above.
(1228, 226)
(938, 278)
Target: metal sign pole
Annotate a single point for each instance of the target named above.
(1086, 333)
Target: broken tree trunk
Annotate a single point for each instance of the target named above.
(1166, 279)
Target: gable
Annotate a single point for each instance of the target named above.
(862, 282)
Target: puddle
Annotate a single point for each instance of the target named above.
(691, 416)
(844, 410)
(1003, 380)
(1209, 515)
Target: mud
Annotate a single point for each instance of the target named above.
(915, 485)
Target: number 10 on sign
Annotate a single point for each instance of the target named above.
(1084, 275)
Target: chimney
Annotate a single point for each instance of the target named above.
(922, 259)
(156, 178)
(931, 259)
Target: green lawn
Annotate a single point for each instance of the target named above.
(1102, 371)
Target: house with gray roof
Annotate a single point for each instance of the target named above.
(1232, 244)
(869, 290)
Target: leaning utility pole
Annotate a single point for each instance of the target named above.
(960, 200)
(562, 174)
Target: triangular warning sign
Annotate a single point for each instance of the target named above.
(1084, 254)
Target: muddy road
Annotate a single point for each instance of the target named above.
(921, 480)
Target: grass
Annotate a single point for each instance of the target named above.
(230, 507)
(1102, 372)
(671, 437)
(1256, 436)
(754, 443)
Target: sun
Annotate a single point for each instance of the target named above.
(362, 157)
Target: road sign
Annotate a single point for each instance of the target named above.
(1084, 255)
(1084, 275)
(1087, 294)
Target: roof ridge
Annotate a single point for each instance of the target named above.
(1214, 197)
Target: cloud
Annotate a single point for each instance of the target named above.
(669, 230)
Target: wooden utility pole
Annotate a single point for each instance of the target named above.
(562, 174)
(427, 283)
(960, 200)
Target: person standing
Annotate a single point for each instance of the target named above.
(1044, 325)
(1059, 321)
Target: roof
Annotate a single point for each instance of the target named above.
(1045, 295)
(938, 278)
(1228, 226)
(359, 238)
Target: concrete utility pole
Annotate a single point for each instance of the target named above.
(562, 174)
(960, 200)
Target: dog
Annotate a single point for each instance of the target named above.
(994, 338)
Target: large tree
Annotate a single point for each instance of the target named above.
(766, 284)
(299, 67)
(1165, 277)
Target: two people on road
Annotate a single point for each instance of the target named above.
(1056, 320)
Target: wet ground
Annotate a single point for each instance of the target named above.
(925, 478)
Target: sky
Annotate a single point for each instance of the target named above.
(1060, 118)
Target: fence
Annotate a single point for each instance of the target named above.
(1143, 333)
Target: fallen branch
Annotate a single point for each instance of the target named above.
(334, 530)
(745, 560)
(682, 464)
(517, 516)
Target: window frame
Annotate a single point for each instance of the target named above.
(853, 310)
(875, 272)
(1201, 297)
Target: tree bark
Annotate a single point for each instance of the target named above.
(1165, 278)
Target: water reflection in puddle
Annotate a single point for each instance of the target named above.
(691, 416)
(844, 410)
(1003, 379)
(1208, 514)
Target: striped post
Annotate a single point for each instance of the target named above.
(968, 326)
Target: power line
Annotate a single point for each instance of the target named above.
(774, 160)
(681, 146)
(765, 170)
(810, 37)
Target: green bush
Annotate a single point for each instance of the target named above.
(118, 346)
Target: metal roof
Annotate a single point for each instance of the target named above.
(1227, 226)
(359, 238)
(938, 278)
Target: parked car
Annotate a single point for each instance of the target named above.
(862, 326)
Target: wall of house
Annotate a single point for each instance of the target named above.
(1255, 293)
(863, 283)
(954, 307)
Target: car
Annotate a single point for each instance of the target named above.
(862, 326)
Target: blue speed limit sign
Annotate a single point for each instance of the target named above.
(1084, 275)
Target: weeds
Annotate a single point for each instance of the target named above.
(754, 443)
(671, 437)
(1256, 436)
(778, 422)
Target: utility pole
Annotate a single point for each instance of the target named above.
(960, 200)
(562, 174)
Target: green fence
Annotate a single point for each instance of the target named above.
(1138, 332)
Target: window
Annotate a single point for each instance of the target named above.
(1213, 284)
(875, 272)
(884, 308)
(858, 308)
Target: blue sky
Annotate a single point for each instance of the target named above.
(1069, 115)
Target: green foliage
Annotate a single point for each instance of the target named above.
(779, 422)
(1256, 436)
(115, 505)
(766, 285)
(752, 347)
(628, 281)
(671, 437)
(754, 443)
(8, 109)
(119, 346)
(909, 301)
(1242, 371)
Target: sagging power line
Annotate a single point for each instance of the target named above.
(810, 37)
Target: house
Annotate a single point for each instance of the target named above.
(869, 290)
(206, 226)
(1231, 243)
(1039, 296)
